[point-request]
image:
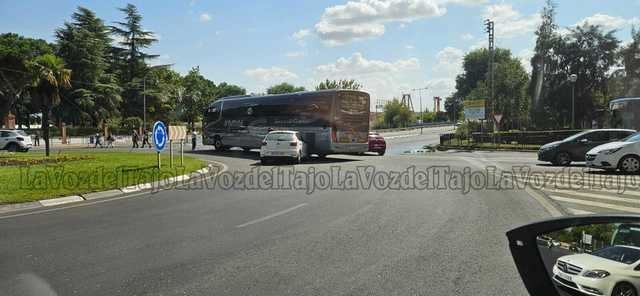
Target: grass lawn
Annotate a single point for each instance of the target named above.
(30, 176)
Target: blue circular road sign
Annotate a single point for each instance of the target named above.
(159, 135)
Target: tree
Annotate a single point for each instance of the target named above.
(397, 115)
(227, 90)
(130, 58)
(197, 92)
(546, 37)
(631, 61)
(339, 84)
(511, 81)
(84, 46)
(453, 108)
(284, 88)
(50, 77)
(589, 53)
(16, 52)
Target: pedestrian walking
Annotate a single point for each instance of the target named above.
(145, 139)
(135, 138)
(98, 141)
(37, 139)
(110, 141)
(194, 140)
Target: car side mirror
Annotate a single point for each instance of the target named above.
(553, 269)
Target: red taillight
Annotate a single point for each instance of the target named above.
(264, 143)
(293, 144)
(20, 139)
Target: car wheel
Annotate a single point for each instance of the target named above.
(381, 153)
(217, 143)
(563, 159)
(299, 158)
(12, 147)
(623, 289)
(629, 164)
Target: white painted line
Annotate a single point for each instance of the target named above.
(544, 202)
(579, 212)
(60, 201)
(402, 136)
(271, 216)
(595, 204)
(597, 196)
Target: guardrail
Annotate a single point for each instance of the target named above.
(387, 130)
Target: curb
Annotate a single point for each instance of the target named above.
(157, 185)
(461, 148)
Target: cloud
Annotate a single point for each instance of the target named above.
(382, 79)
(358, 65)
(271, 75)
(205, 17)
(466, 2)
(364, 19)
(607, 22)
(294, 54)
(449, 62)
(301, 34)
(525, 56)
(509, 22)
(466, 36)
(409, 47)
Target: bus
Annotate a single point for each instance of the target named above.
(330, 121)
(625, 113)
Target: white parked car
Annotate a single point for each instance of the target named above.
(623, 155)
(283, 145)
(15, 140)
(608, 271)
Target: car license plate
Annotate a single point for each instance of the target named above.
(564, 276)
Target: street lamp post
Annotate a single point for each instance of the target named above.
(573, 78)
(420, 96)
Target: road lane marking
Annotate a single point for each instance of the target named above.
(403, 136)
(595, 204)
(579, 212)
(265, 218)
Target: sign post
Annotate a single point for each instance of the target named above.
(159, 138)
(177, 133)
(474, 109)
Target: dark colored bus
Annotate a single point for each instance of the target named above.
(330, 121)
(625, 113)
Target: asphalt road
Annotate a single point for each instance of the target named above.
(234, 241)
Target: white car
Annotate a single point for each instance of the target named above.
(608, 271)
(15, 140)
(283, 145)
(623, 155)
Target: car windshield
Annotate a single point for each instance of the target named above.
(622, 254)
(632, 138)
(22, 133)
(280, 137)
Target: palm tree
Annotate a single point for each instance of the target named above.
(50, 76)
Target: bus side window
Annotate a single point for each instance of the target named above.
(214, 111)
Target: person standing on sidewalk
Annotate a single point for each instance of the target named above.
(145, 139)
(194, 140)
(134, 139)
(37, 139)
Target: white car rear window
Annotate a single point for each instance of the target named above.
(280, 137)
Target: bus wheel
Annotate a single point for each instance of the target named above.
(217, 143)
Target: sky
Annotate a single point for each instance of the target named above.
(389, 46)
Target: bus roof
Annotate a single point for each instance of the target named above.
(300, 93)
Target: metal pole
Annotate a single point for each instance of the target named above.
(181, 153)
(171, 153)
(144, 104)
(573, 105)
(421, 116)
(158, 153)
